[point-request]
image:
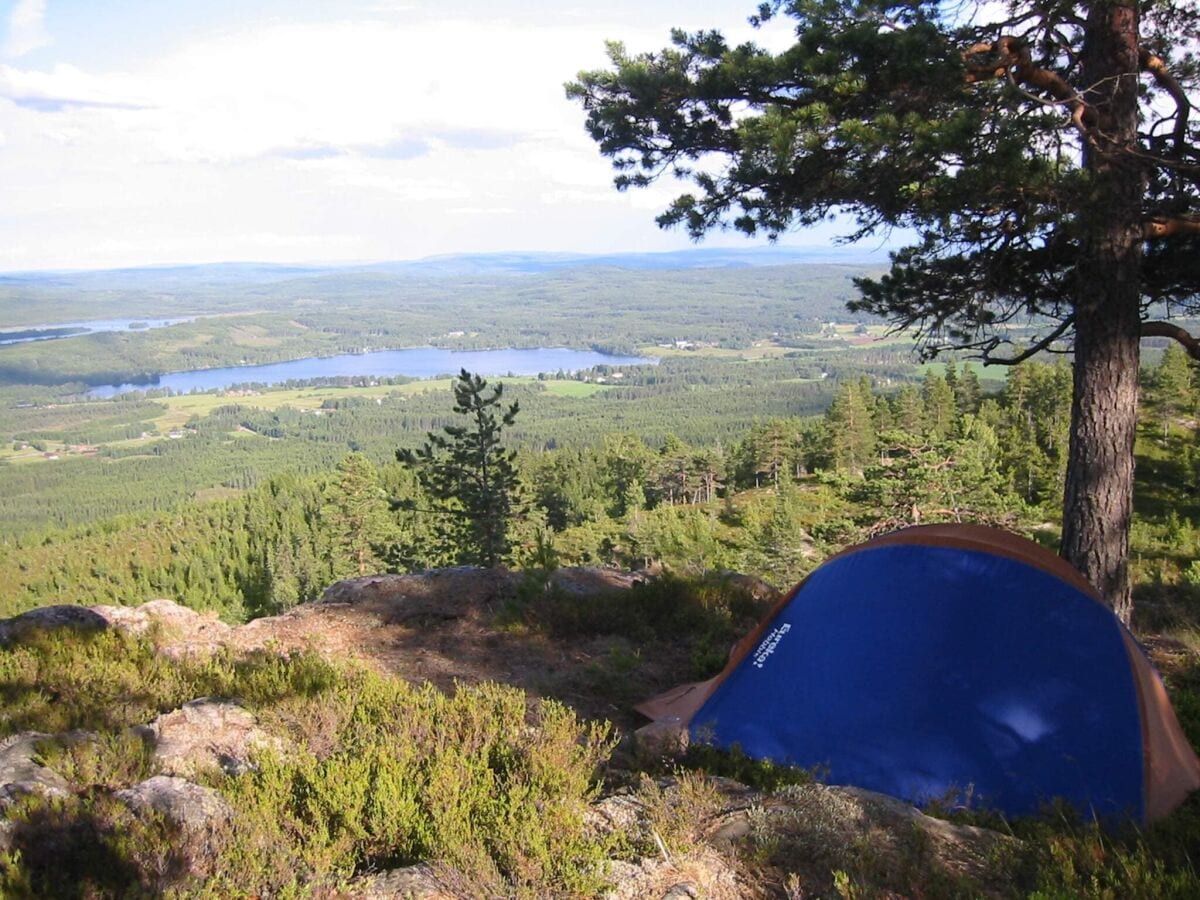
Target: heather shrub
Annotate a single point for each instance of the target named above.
(376, 774)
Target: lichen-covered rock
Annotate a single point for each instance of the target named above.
(582, 581)
(439, 594)
(206, 735)
(701, 872)
(21, 775)
(752, 585)
(684, 890)
(189, 807)
(200, 818)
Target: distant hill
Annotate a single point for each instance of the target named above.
(697, 258)
(168, 278)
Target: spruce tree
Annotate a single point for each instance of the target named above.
(1170, 388)
(627, 463)
(941, 412)
(356, 511)
(851, 428)
(468, 470)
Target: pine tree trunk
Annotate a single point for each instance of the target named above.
(1098, 505)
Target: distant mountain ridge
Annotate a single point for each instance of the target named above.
(168, 277)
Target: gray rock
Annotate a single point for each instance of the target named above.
(202, 819)
(179, 631)
(685, 890)
(20, 774)
(619, 813)
(584, 581)
(817, 828)
(438, 594)
(50, 618)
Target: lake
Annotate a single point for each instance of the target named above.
(74, 329)
(415, 362)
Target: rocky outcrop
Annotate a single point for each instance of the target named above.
(178, 630)
(439, 593)
(50, 618)
(21, 774)
(584, 581)
(695, 835)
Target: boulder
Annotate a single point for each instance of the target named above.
(752, 585)
(201, 819)
(20, 775)
(179, 630)
(438, 594)
(584, 581)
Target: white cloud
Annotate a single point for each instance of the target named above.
(67, 87)
(26, 28)
(348, 139)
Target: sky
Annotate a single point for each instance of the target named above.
(174, 131)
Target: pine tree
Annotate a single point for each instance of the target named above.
(470, 473)
(772, 443)
(908, 411)
(672, 471)
(780, 545)
(1041, 154)
(968, 393)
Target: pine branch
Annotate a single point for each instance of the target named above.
(1041, 345)
(1157, 67)
(1154, 229)
(1170, 330)
(1009, 57)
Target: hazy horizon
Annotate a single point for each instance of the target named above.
(787, 253)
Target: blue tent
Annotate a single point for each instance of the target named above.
(949, 661)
